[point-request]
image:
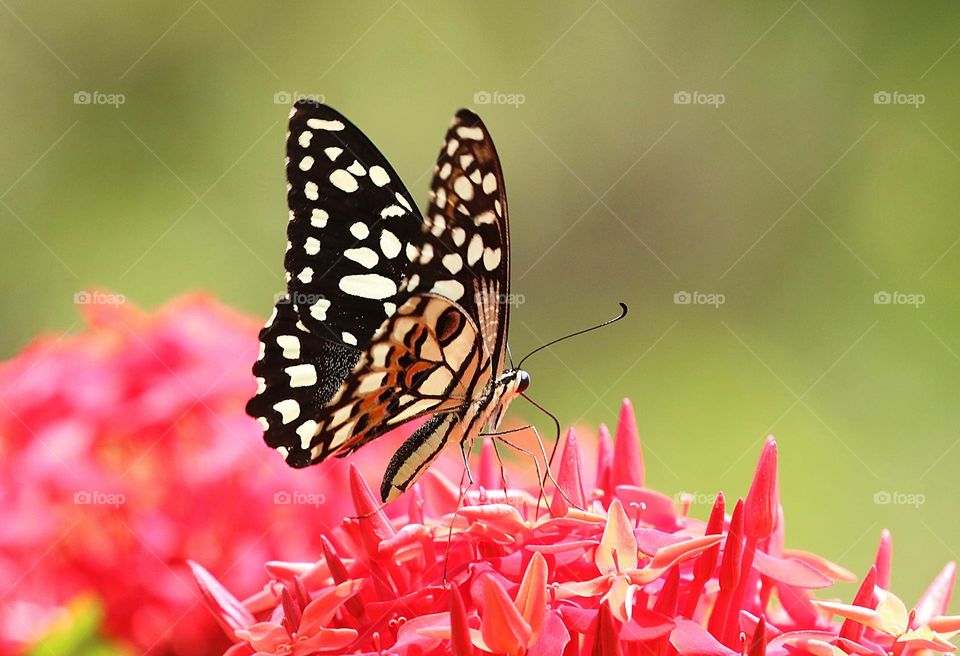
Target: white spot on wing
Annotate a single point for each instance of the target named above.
(311, 246)
(348, 338)
(319, 309)
(463, 187)
(459, 235)
(290, 345)
(318, 218)
(320, 124)
(453, 262)
(306, 275)
(356, 168)
(363, 256)
(474, 250)
(302, 375)
(304, 138)
(306, 431)
(491, 258)
(342, 180)
(451, 289)
(379, 176)
(311, 191)
(332, 152)
(368, 285)
(489, 183)
(389, 244)
(306, 163)
(359, 230)
(467, 133)
(288, 409)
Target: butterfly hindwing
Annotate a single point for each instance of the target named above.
(426, 359)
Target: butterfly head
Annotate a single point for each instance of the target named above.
(511, 383)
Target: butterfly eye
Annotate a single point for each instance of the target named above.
(523, 381)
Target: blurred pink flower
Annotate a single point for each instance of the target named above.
(616, 570)
(125, 450)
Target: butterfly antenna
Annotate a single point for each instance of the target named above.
(510, 357)
(623, 313)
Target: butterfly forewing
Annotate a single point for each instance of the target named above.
(351, 220)
(465, 252)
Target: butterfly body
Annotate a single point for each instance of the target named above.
(389, 315)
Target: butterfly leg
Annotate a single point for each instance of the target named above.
(466, 448)
(541, 477)
(503, 474)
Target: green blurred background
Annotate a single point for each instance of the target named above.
(785, 185)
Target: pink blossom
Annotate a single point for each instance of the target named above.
(616, 571)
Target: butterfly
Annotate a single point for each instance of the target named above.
(389, 315)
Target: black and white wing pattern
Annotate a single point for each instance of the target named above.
(465, 252)
(387, 316)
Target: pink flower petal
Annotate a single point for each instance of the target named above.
(617, 550)
(226, 608)
(459, 627)
(553, 638)
(790, 571)
(762, 503)
(821, 564)
(884, 560)
(568, 478)
(690, 639)
(321, 610)
(531, 598)
(627, 463)
(936, 600)
(502, 627)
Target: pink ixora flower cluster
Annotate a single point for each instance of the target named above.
(608, 568)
